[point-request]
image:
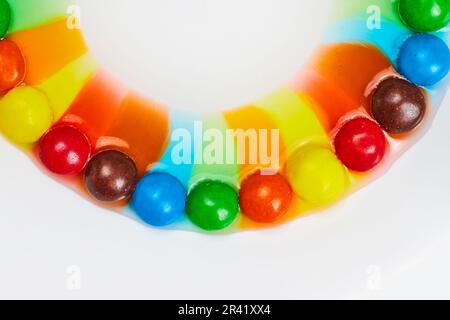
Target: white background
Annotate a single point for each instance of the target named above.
(203, 54)
(390, 240)
(399, 226)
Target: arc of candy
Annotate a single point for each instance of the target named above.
(104, 109)
(81, 94)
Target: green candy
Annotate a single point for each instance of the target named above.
(5, 17)
(425, 15)
(212, 205)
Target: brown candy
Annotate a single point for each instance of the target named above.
(398, 105)
(111, 176)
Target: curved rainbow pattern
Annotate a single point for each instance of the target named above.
(82, 93)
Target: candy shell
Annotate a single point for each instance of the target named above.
(212, 205)
(64, 150)
(316, 175)
(111, 176)
(25, 115)
(12, 65)
(398, 105)
(425, 15)
(424, 59)
(159, 199)
(360, 144)
(265, 198)
(5, 17)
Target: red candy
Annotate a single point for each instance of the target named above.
(360, 144)
(64, 150)
(265, 198)
(12, 65)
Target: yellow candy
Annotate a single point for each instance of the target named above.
(25, 115)
(317, 176)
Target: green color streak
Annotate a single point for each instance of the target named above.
(216, 149)
(349, 9)
(27, 14)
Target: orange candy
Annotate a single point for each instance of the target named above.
(265, 198)
(12, 65)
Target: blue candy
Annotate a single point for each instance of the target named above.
(159, 199)
(424, 59)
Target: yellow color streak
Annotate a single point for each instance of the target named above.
(63, 87)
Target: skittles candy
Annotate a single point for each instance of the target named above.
(25, 115)
(345, 117)
(159, 199)
(12, 65)
(360, 144)
(265, 198)
(424, 59)
(5, 17)
(212, 205)
(64, 150)
(316, 175)
(425, 15)
(398, 105)
(110, 176)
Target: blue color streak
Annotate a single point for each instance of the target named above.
(184, 121)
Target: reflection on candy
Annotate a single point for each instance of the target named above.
(398, 105)
(425, 15)
(5, 17)
(316, 175)
(25, 115)
(212, 205)
(265, 198)
(64, 150)
(424, 59)
(159, 199)
(110, 176)
(360, 144)
(12, 65)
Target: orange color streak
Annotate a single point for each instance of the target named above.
(331, 102)
(48, 48)
(96, 106)
(144, 127)
(253, 118)
(339, 77)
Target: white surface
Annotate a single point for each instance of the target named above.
(237, 51)
(398, 226)
(389, 240)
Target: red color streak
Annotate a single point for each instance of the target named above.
(339, 77)
(96, 106)
(144, 126)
